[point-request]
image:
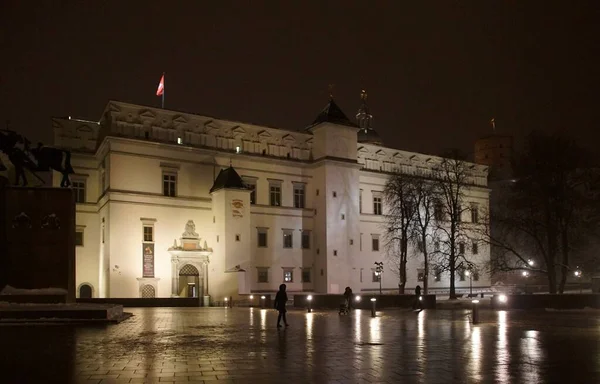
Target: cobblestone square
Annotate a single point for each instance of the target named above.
(241, 345)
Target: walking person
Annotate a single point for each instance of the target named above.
(417, 298)
(280, 301)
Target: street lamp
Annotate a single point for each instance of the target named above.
(309, 299)
(525, 275)
(468, 273)
(379, 272)
(530, 262)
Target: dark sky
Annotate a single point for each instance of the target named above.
(435, 71)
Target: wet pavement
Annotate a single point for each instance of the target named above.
(241, 345)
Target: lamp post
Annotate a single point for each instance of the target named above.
(525, 275)
(251, 301)
(373, 303)
(262, 301)
(468, 273)
(578, 274)
(309, 301)
(379, 272)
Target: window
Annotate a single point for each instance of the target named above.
(148, 233)
(305, 239)
(335, 252)
(459, 213)
(169, 184)
(375, 243)
(251, 184)
(361, 279)
(237, 237)
(437, 274)
(420, 246)
(275, 194)
(475, 275)
(102, 231)
(420, 275)
(262, 237)
(475, 248)
(376, 276)
(461, 248)
(360, 242)
(287, 238)
(360, 201)
(263, 275)
(461, 274)
(288, 276)
(306, 275)
(343, 217)
(377, 205)
(299, 200)
(436, 246)
(474, 213)
(79, 189)
(334, 194)
(79, 237)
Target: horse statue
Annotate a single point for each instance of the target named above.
(40, 159)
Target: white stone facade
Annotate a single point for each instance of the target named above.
(122, 161)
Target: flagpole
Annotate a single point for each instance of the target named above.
(163, 92)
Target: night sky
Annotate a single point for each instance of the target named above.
(435, 71)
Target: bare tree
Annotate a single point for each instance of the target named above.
(452, 178)
(425, 197)
(399, 195)
(540, 215)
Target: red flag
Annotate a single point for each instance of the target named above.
(161, 86)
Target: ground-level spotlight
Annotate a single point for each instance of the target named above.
(309, 302)
(357, 298)
(373, 304)
(475, 311)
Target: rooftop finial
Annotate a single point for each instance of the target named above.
(331, 86)
(493, 123)
(363, 95)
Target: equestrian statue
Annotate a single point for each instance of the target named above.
(41, 159)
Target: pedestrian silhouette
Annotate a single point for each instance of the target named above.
(280, 301)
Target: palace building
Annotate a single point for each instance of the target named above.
(173, 204)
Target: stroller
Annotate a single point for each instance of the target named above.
(344, 307)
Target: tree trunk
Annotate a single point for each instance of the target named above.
(551, 278)
(403, 257)
(564, 269)
(402, 285)
(452, 273)
(425, 265)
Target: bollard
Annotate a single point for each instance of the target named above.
(373, 301)
(309, 304)
(226, 303)
(475, 311)
(262, 301)
(251, 301)
(230, 302)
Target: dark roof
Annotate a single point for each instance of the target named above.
(332, 114)
(228, 178)
(369, 136)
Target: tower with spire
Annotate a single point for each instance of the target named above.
(366, 134)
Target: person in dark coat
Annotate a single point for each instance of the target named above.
(280, 301)
(348, 297)
(417, 298)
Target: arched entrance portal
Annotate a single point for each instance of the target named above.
(85, 291)
(189, 281)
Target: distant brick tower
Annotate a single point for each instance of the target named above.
(495, 151)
